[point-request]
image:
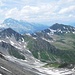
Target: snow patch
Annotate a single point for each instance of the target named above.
(28, 51)
(52, 71)
(34, 38)
(66, 32)
(28, 34)
(73, 32)
(5, 69)
(52, 31)
(47, 40)
(12, 43)
(59, 30)
(64, 27)
(19, 42)
(22, 39)
(34, 33)
(17, 47)
(3, 26)
(24, 46)
(3, 41)
(11, 58)
(7, 37)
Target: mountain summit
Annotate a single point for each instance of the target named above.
(60, 29)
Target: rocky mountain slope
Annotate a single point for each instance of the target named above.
(23, 54)
(15, 58)
(55, 44)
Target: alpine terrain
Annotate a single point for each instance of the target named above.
(47, 51)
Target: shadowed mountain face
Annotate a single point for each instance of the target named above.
(62, 27)
(9, 32)
(8, 38)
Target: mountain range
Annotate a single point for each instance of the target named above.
(22, 26)
(30, 53)
(56, 43)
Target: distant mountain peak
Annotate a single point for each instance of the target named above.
(22, 26)
(9, 20)
(61, 26)
(59, 29)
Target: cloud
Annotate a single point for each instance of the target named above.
(32, 13)
(1, 3)
(68, 10)
(39, 10)
(13, 13)
(25, 13)
(30, 10)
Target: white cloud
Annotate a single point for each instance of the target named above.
(2, 14)
(70, 9)
(29, 10)
(13, 13)
(39, 10)
(30, 13)
(25, 13)
(1, 3)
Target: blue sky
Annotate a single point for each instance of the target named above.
(41, 11)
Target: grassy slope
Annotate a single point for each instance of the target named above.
(65, 42)
(62, 51)
(16, 54)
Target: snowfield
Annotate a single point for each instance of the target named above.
(52, 71)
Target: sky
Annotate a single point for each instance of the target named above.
(41, 11)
